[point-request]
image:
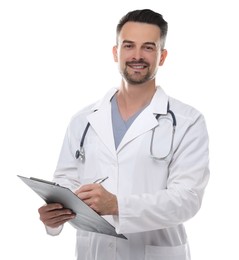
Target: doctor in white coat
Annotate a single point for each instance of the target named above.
(152, 148)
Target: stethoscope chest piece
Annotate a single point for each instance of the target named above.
(80, 154)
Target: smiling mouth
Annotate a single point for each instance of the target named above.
(137, 66)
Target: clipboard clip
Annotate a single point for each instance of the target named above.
(44, 181)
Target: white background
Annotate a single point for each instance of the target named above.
(55, 58)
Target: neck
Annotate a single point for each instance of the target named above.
(132, 98)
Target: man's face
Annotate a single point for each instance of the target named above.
(138, 52)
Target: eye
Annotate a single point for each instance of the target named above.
(128, 46)
(149, 47)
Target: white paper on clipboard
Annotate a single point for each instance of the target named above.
(86, 218)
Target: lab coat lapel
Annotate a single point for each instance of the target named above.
(146, 119)
(101, 121)
(143, 123)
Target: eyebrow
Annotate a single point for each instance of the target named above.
(145, 43)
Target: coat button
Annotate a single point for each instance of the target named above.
(111, 245)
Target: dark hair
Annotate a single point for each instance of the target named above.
(145, 16)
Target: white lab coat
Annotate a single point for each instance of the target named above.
(154, 197)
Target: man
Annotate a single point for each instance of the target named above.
(152, 148)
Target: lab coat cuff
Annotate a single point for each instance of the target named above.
(53, 231)
(121, 221)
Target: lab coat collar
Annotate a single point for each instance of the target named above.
(106, 99)
(158, 103)
(101, 120)
(146, 120)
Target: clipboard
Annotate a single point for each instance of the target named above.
(86, 218)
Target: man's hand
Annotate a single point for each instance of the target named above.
(54, 215)
(98, 198)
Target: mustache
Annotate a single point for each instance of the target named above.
(137, 62)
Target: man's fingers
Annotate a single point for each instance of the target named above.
(49, 207)
(59, 220)
(54, 214)
(87, 191)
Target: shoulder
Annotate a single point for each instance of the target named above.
(187, 116)
(83, 112)
(184, 111)
(180, 109)
(190, 123)
(81, 115)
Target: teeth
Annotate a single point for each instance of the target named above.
(138, 67)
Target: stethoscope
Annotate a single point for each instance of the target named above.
(174, 123)
(80, 153)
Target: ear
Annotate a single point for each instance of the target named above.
(115, 53)
(164, 54)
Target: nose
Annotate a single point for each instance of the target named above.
(138, 54)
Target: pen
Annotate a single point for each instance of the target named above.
(101, 180)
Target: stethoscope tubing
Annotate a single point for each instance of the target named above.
(80, 154)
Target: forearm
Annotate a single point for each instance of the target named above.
(167, 208)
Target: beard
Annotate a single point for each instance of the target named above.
(136, 77)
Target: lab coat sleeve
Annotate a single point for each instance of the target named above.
(53, 231)
(66, 170)
(182, 198)
(65, 173)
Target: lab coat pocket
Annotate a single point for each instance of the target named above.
(167, 253)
